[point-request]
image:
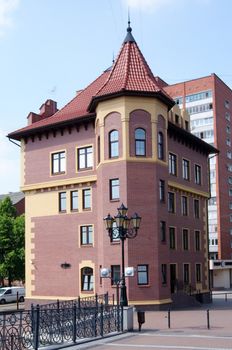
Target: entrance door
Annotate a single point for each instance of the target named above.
(173, 277)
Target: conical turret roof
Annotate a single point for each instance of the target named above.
(131, 74)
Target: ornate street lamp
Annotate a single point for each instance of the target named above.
(125, 228)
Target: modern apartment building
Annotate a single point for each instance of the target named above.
(208, 100)
(122, 139)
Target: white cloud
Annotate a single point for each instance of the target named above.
(148, 5)
(6, 9)
(9, 165)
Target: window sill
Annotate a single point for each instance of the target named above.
(115, 200)
(74, 211)
(85, 169)
(59, 173)
(86, 209)
(86, 245)
(62, 211)
(144, 285)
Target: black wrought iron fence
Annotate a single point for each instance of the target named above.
(40, 327)
(93, 301)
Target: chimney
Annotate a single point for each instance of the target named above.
(47, 109)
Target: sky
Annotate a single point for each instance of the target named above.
(53, 48)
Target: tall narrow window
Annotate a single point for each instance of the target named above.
(140, 142)
(98, 149)
(198, 273)
(197, 174)
(142, 274)
(74, 200)
(114, 189)
(115, 274)
(185, 169)
(162, 190)
(85, 158)
(184, 205)
(87, 199)
(163, 231)
(172, 163)
(171, 202)
(186, 274)
(87, 235)
(87, 279)
(172, 238)
(185, 239)
(196, 208)
(62, 201)
(113, 144)
(197, 240)
(58, 162)
(160, 145)
(164, 273)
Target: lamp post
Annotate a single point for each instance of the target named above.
(125, 228)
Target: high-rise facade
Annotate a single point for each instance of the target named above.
(208, 100)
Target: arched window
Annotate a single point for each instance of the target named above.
(113, 144)
(160, 145)
(87, 278)
(140, 142)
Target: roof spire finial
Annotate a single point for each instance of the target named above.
(129, 29)
(129, 36)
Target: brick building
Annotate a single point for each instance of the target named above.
(18, 200)
(121, 139)
(208, 100)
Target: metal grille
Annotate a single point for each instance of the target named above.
(41, 327)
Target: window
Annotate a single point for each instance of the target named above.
(62, 201)
(186, 274)
(86, 279)
(185, 169)
(230, 192)
(227, 104)
(196, 208)
(186, 125)
(172, 238)
(197, 173)
(163, 231)
(198, 96)
(85, 158)
(229, 154)
(74, 200)
(178, 100)
(87, 199)
(227, 115)
(228, 129)
(58, 163)
(177, 119)
(164, 273)
(197, 240)
(98, 149)
(185, 240)
(114, 189)
(228, 142)
(184, 205)
(162, 190)
(160, 145)
(199, 108)
(113, 144)
(115, 274)
(140, 142)
(172, 162)
(86, 235)
(171, 202)
(198, 273)
(142, 274)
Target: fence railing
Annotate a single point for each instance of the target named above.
(93, 301)
(41, 327)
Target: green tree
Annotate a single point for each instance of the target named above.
(12, 252)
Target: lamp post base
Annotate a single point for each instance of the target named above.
(123, 296)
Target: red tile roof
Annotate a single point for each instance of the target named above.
(129, 74)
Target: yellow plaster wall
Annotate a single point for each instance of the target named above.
(124, 106)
